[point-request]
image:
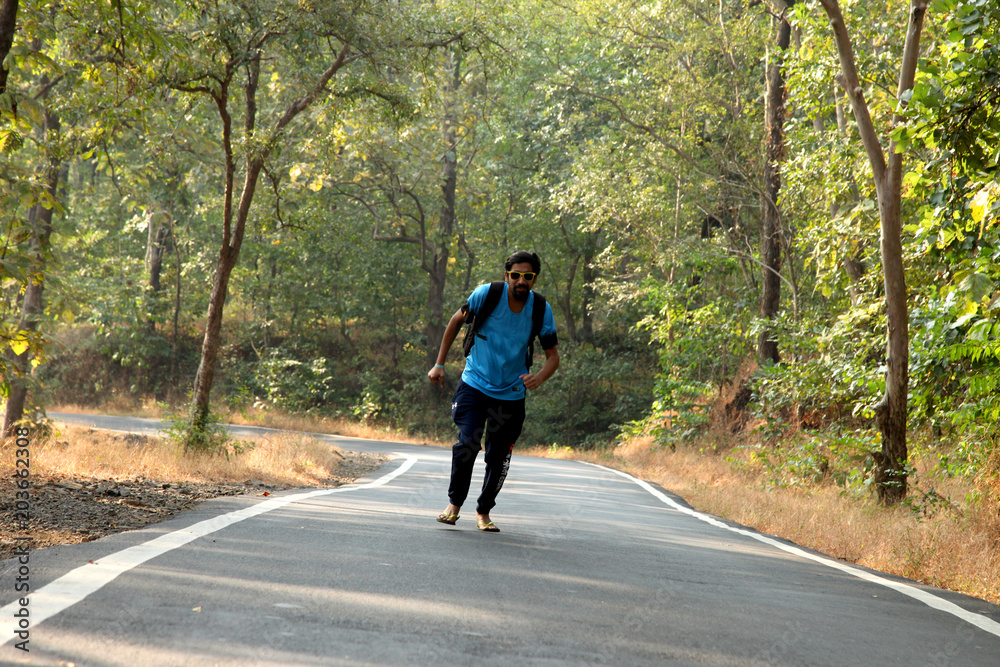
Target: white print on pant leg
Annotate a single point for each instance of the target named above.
(497, 420)
(503, 473)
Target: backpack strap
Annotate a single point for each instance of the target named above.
(474, 320)
(492, 299)
(537, 320)
(537, 316)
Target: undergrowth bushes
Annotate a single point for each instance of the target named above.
(87, 366)
(291, 377)
(378, 380)
(598, 389)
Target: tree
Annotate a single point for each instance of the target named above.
(953, 122)
(676, 176)
(28, 241)
(269, 62)
(887, 171)
(771, 236)
(40, 219)
(450, 131)
(422, 182)
(8, 23)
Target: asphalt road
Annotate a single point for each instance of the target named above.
(591, 567)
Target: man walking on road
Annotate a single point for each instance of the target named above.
(489, 398)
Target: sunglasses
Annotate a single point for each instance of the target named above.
(528, 275)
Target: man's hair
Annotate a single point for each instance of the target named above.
(524, 256)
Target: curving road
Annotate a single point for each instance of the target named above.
(592, 567)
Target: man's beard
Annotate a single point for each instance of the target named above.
(521, 293)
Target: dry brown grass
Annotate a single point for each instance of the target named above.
(116, 406)
(280, 420)
(279, 460)
(956, 547)
(255, 417)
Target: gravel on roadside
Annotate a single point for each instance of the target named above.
(70, 510)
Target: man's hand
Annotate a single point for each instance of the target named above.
(531, 381)
(436, 376)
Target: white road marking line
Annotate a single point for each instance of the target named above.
(77, 584)
(929, 599)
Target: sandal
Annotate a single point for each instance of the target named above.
(449, 519)
(488, 527)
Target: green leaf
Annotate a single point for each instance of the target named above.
(976, 286)
(10, 141)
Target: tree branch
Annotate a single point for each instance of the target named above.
(908, 67)
(852, 85)
(625, 118)
(302, 103)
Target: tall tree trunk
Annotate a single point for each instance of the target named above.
(470, 262)
(438, 264)
(8, 24)
(175, 339)
(589, 279)
(234, 224)
(771, 241)
(268, 303)
(890, 413)
(31, 308)
(228, 255)
(156, 246)
(566, 301)
(854, 267)
(887, 167)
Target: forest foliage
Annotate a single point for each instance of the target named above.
(623, 141)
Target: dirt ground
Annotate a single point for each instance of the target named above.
(70, 510)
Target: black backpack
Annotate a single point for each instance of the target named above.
(474, 321)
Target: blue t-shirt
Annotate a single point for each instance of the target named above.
(496, 364)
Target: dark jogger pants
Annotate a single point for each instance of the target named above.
(477, 414)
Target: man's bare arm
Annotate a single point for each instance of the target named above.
(436, 374)
(535, 380)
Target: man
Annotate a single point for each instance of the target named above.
(490, 396)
